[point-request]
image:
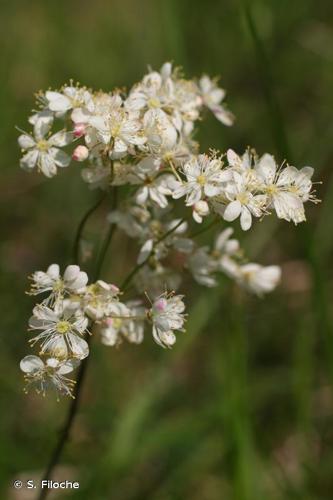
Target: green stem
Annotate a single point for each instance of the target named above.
(205, 228)
(268, 85)
(107, 240)
(72, 410)
(77, 240)
(137, 268)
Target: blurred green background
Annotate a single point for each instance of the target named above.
(242, 407)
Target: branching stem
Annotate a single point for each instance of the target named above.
(72, 410)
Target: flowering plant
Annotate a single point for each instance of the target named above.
(139, 147)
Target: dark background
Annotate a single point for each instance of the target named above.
(242, 407)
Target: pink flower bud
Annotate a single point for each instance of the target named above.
(160, 304)
(80, 153)
(109, 321)
(114, 289)
(79, 129)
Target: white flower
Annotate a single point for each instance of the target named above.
(125, 321)
(242, 202)
(204, 178)
(61, 331)
(239, 163)
(287, 188)
(212, 96)
(225, 251)
(117, 128)
(130, 219)
(70, 97)
(160, 132)
(99, 298)
(154, 187)
(203, 267)
(160, 249)
(97, 176)
(259, 279)
(164, 92)
(43, 151)
(49, 373)
(224, 245)
(167, 315)
(152, 93)
(73, 281)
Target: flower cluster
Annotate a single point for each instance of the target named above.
(74, 309)
(141, 143)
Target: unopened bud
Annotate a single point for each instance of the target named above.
(80, 153)
(160, 304)
(202, 208)
(79, 129)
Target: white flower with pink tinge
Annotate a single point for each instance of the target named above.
(126, 321)
(167, 315)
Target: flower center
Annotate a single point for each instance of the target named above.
(117, 322)
(201, 179)
(271, 189)
(63, 326)
(115, 129)
(42, 145)
(153, 103)
(58, 286)
(243, 198)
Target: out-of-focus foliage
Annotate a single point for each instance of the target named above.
(242, 407)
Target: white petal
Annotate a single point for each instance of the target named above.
(246, 219)
(80, 281)
(61, 159)
(71, 272)
(80, 115)
(233, 158)
(61, 139)
(57, 101)
(53, 271)
(145, 251)
(42, 126)
(29, 160)
(267, 168)
(31, 364)
(223, 116)
(26, 141)
(68, 367)
(223, 238)
(232, 211)
(47, 164)
(79, 347)
(211, 190)
(142, 195)
(194, 195)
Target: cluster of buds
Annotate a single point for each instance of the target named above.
(144, 139)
